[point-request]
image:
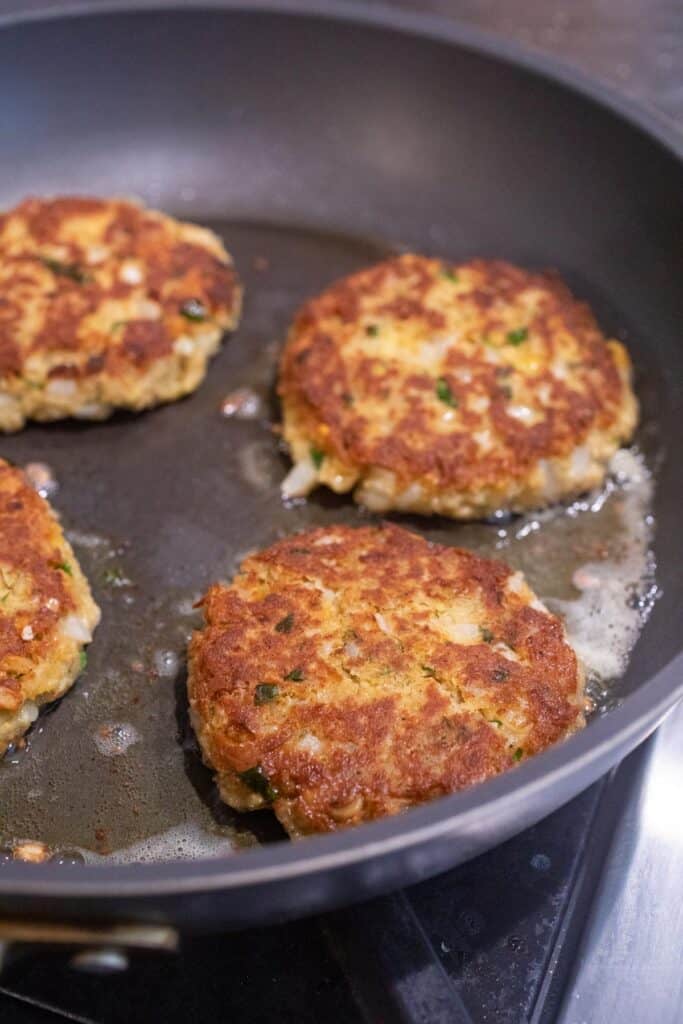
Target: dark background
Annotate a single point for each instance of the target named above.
(634, 45)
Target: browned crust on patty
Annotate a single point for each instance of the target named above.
(41, 589)
(355, 384)
(377, 706)
(70, 308)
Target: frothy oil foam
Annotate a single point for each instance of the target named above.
(617, 595)
(183, 842)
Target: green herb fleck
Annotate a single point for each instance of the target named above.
(64, 566)
(264, 693)
(118, 323)
(372, 330)
(193, 309)
(83, 659)
(444, 393)
(505, 390)
(499, 675)
(317, 457)
(257, 780)
(296, 675)
(347, 399)
(496, 721)
(115, 577)
(486, 635)
(450, 274)
(518, 754)
(518, 336)
(285, 625)
(429, 671)
(70, 270)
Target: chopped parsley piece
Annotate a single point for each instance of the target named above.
(499, 675)
(264, 693)
(372, 330)
(317, 457)
(505, 390)
(518, 754)
(115, 577)
(496, 721)
(84, 659)
(296, 675)
(257, 781)
(285, 625)
(518, 336)
(450, 274)
(193, 309)
(64, 566)
(70, 270)
(429, 671)
(486, 635)
(444, 393)
(118, 323)
(347, 399)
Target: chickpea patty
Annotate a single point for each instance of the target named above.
(348, 673)
(47, 613)
(104, 305)
(460, 390)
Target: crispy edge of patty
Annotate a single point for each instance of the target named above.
(268, 621)
(413, 466)
(52, 615)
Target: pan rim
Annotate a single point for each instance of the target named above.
(623, 726)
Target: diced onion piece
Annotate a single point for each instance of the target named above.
(184, 346)
(60, 388)
(300, 480)
(130, 272)
(75, 628)
(309, 743)
(382, 623)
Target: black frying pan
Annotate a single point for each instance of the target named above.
(320, 143)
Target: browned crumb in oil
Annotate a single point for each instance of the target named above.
(32, 852)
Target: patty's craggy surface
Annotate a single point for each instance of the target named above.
(105, 304)
(350, 673)
(47, 612)
(447, 389)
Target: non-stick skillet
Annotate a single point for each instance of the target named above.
(315, 141)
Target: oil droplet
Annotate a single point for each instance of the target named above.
(166, 663)
(114, 738)
(41, 478)
(242, 404)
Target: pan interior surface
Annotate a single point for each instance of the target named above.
(309, 169)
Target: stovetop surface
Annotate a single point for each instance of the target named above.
(567, 922)
(479, 938)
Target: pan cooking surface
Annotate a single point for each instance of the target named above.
(374, 126)
(161, 504)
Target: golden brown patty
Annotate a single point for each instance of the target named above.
(349, 673)
(449, 389)
(47, 612)
(104, 304)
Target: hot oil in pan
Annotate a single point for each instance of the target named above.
(159, 505)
